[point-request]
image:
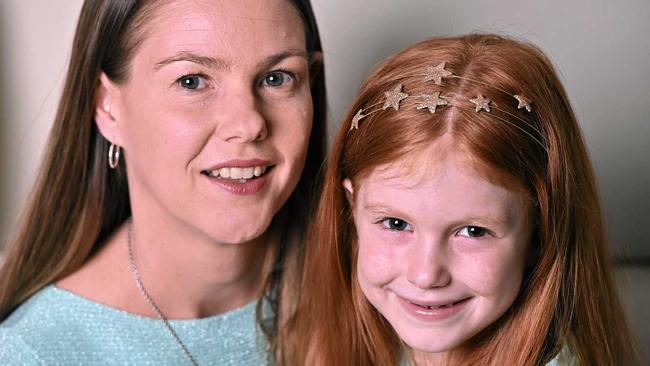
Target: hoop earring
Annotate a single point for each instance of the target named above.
(113, 155)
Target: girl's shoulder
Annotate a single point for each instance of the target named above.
(564, 358)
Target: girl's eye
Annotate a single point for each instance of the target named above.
(192, 82)
(395, 224)
(277, 78)
(472, 231)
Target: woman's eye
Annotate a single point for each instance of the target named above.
(473, 231)
(276, 79)
(392, 223)
(192, 82)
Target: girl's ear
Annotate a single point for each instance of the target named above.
(349, 190)
(106, 99)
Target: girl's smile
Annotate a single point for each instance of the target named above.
(432, 311)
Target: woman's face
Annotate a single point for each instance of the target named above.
(216, 114)
(441, 252)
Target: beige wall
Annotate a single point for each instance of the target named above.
(35, 40)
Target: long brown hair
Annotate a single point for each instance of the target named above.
(77, 202)
(568, 296)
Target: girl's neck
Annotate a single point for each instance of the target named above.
(427, 359)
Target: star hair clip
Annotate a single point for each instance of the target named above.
(395, 96)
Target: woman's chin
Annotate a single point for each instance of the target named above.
(236, 233)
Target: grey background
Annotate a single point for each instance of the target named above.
(600, 48)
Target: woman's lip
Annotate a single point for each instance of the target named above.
(240, 163)
(251, 186)
(432, 311)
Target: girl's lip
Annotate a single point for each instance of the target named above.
(431, 311)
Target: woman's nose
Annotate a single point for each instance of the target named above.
(241, 118)
(427, 266)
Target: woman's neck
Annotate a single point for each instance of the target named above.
(186, 274)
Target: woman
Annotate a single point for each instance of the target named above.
(173, 187)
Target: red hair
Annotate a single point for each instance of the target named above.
(568, 296)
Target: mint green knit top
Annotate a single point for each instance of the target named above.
(57, 327)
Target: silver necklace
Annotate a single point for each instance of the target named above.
(152, 303)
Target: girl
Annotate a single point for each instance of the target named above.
(460, 222)
(172, 189)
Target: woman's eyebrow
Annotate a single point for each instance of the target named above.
(278, 57)
(219, 64)
(207, 61)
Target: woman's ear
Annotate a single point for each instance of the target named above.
(349, 190)
(106, 97)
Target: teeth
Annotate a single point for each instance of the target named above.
(236, 173)
(247, 173)
(431, 307)
(239, 174)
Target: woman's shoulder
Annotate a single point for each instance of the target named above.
(564, 358)
(40, 312)
(17, 331)
(15, 352)
(55, 326)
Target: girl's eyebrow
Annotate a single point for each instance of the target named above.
(490, 220)
(487, 220)
(220, 64)
(375, 209)
(383, 210)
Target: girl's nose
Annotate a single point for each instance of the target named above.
(427, 266)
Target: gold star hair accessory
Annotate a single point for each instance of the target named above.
(431, 102)
(394, 97)
(481, 103)
(436, 73)
(523, 102)
(359, 116)
(355, 120)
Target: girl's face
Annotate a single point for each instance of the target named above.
(441, 252)
(216, 115)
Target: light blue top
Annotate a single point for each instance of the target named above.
(57, 327)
